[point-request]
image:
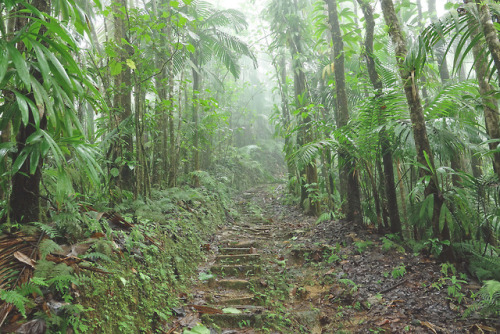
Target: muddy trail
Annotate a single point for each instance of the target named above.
(274, 270)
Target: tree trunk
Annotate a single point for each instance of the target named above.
(122, 100)
(310, 191)
(424, 154)
(196, 130)
(354, 212)
(24, 199)
(390, 187)
(490, 32)
(490, 104)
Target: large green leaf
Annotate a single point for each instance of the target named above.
(4, 60)
(20, 64)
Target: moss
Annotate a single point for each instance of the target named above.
(145, 280)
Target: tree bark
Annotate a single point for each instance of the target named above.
(348, 169)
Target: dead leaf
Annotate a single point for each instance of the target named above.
(383, 322)
(25, 259)
(98, 235)
(329, 272)
(190, 320)
(428, 325)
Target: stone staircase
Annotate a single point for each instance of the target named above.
(237, 269)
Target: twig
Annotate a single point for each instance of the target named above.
(393, 287)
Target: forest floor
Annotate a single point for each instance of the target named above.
(274, 270)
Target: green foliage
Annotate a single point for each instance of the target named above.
(399, 271)
(489, 300)
(361, 246)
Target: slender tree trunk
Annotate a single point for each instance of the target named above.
(354, 211)
(305, 136)
(490, 32)
(390, 187)
(196, 108)
(424, 154)
(122, 100)
(490, 104)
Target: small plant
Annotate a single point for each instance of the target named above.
(388, 244)
(455, 288)
(361, 246)
(436, 246)
(333, 257)
(399, 271)
(489, 300)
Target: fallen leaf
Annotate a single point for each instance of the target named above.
(190, 320)
(25, 259)
(383, 322)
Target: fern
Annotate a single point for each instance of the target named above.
(326, 216)
(49, 230)
(48, 246)
(489, 303)
(15, 298)
(98, 255)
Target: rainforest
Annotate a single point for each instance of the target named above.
(259, 166)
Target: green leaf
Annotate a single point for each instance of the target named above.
(131, 64)
(190, 48)
(231, 310)
(21, 65)
(4, 61)
(42, 60)
(114, 172)
(23, 107)
(20, 160)
(115, 68)
(63, 75)
(34, 159)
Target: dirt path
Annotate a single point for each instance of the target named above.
(274, 270)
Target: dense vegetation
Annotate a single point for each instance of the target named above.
(388, 115)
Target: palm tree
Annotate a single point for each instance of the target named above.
(424, 154)
(348, 169)
(212, 41)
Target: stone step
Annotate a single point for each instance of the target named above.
(234, 320)
(236, 271)
(244, 299)
(238, 259)
(242, 244)
(235, 284)
(235, 250)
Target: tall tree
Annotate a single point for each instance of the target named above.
(390, 187)
(424, 154)
(122, 97)
(490, 104)
(212, 41)
(40, 81)
(347, 162)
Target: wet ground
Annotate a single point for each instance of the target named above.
(272, 269)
